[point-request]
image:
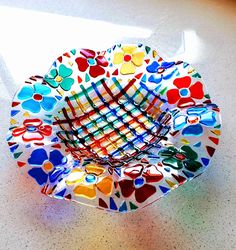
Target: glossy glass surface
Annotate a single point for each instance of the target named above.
(115, 129)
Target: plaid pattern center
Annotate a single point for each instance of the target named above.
(108, 121)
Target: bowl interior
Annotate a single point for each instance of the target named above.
(112, 120)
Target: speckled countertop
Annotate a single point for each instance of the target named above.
(198, 215)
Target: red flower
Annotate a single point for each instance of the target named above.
(32, 130)
(95, 63)
(185, 93)
(140, 177)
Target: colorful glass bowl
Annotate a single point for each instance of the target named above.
(116, 129)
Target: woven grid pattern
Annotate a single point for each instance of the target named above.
(108, 121)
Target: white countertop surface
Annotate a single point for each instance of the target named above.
(198, 215)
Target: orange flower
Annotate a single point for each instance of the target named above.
(88, 181)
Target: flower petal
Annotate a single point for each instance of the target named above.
(173, 96)
(167, 65)
(152, 174)
(32, 122)
(96, 71)
(18, 131)
(64, 71)
(118, 58)
(87, 191)
(38, 157)
(41, 89)
(45, 130)
(137, 58)
(35, 136)
(76, 176)
(101, 60)
(134, 171)
(95, 169)
(129, 49)
(152, 68)
(67, 83)
(155, 78)
(31, 105)
(168, 74)
(39, 175)
(127, 68)
(183, 82)
(56, 173)
(105, 185)
(25, 93)
(189, 153)
(168, 152)
(193, 130)
(179, 122)
(57, 158)
(192, 166)
(173, 163)
(197, 90)
(186, 102)
(196, 110)
(88, 53)
(53, 73)
(126, 187)
(51, 81)
(208, 119)
(143, 193)
(82, 63)
(48, 103)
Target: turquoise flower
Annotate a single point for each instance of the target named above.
(36, 97)
(60, 77)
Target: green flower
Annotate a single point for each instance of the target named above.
(60, 77)
(179, 158)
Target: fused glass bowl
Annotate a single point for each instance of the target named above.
(116, 129)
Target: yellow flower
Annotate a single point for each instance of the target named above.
(86, 182)
(129, 59)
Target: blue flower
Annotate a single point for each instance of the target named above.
(159, 69)
(45, 167)
(196, 118)
(35, 97)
